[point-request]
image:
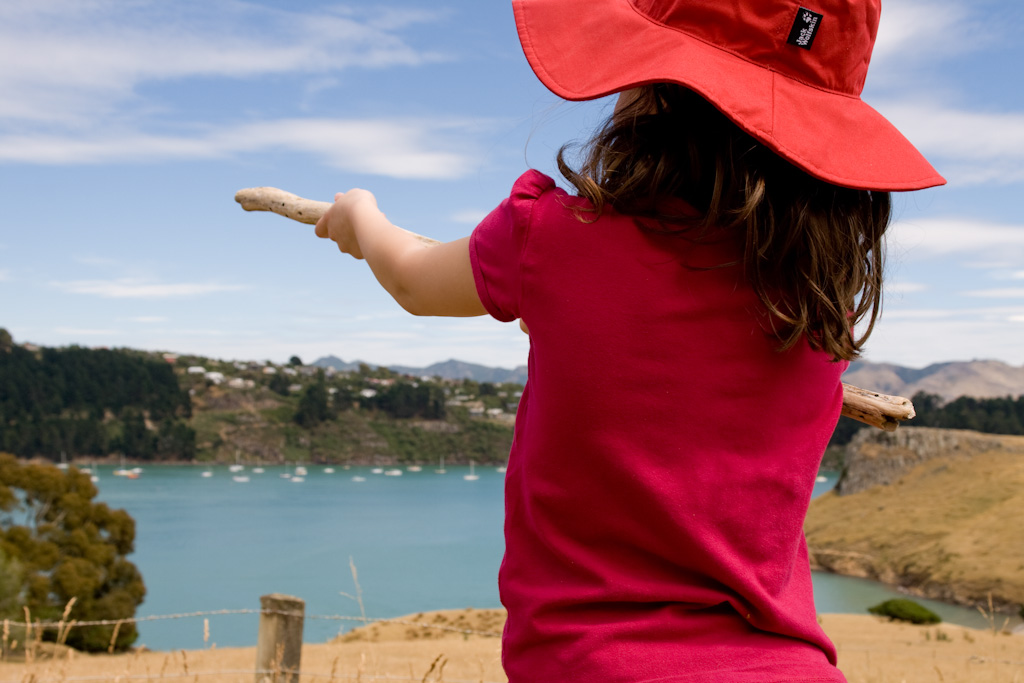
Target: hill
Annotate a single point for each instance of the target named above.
(80, 404)
(937, 512)
(978, 378)
(449, 369)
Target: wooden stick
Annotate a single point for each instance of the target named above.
(292, 206)
(877, 410)
(869, 407)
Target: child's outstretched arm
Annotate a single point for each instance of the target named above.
(424, 279)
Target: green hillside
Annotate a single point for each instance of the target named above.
(94, 404)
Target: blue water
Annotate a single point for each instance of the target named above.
(420, 541)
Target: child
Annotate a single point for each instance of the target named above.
(690, 309)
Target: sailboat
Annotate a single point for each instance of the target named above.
(125, 472)
(471, 476)
(441, 469)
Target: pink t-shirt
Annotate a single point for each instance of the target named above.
(663, 459)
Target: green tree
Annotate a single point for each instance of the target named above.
(67, 546)
(314, 406)
(295, 361)
(279, 384)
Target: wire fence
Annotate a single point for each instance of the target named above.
(39, 662)
(65, 625)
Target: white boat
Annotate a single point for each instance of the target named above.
(63, 464)
(328, 470)
(821, 479)
(377, 470)
(393, 473)
(257, 470)
(300, 471)
(240, 478)
(500, 468)
(358, 478)
(238, 466)
(441, 469)
(298, 480)
(206, 474)
(471, 476)
(125, 472)
(414, 468)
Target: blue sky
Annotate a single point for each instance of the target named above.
(126, 126)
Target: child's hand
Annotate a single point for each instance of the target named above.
(339, 223)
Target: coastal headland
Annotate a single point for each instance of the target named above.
(938, 513)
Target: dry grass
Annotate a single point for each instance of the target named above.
(871, 650)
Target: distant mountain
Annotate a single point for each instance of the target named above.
(449, 369)
(978, 378)
(336, 363)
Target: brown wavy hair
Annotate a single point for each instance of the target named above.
(813, 251)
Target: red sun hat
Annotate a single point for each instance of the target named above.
(788, 72)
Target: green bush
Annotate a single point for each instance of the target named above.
(905, 610)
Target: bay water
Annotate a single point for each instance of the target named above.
(420, 541)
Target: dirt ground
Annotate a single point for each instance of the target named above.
(871, 650)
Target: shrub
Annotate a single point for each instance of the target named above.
(905, 610)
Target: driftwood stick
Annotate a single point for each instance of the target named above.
(869, 407)
(291, 206)
(877, 410)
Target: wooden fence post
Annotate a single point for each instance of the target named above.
(279, 646)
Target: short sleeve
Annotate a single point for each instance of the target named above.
(497, 246)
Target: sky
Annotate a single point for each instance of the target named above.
(127, 126)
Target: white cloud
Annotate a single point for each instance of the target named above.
(399, 148)
(948, 236)
(149, 319)
(469, 216)
(97, 261)
(128, 288)
(916, 29)
(79, 61)
(1006, 293)
(959, 133)
(5, 275)
(919, 338)
(83, 332)
(905, 287)
(968, 147)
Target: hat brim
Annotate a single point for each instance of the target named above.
(585, 49)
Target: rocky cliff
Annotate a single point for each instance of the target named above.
(877, 458)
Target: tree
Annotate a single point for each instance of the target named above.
(62, 545)
(295, 361)
(314, 407)
(6, 341)
(279, 384)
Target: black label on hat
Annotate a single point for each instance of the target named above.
(805, 28)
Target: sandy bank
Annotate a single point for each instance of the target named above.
(871, 650)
